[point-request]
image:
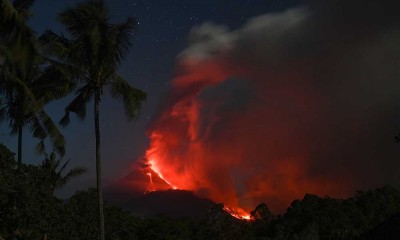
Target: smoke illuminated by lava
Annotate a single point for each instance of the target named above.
(270, 112)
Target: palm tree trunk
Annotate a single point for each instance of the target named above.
(19, 145)
(98, 166)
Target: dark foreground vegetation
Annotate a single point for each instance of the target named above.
(29, 210)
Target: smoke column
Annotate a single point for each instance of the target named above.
(301, 101)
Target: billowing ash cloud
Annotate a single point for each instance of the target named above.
(301, 101)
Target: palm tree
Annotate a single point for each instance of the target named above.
(15, 36)
(13, 17)
(93, 52)
(54, 171)
(26, 85)
(23, 107)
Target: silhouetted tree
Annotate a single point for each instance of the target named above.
(25, 86)
(262, 213)
(93, 53)
(55, 171)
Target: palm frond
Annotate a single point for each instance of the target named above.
(42, 127)
(75, 22)
(9, 19)
(14, 30)
(54, 45)
(57, 139)
(40, 147)
(37, 128)
(55, 82)
(78, 105)
(52, 168)
(62, 167)
(71, 174)
(85, 23)
(117, 41)
(23, 7)
(65, 120)
(3, 110)
(11, 81)
(131, 97)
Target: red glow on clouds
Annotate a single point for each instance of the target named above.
(271, 111)
(240, 157)
(245, 122)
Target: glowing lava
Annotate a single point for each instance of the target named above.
(155, 169)
(238, 213)
(150, 188)
(234, 212)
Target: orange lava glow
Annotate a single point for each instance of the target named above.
(240, 153)
(153, 166)
(234, 212)
(151, 187)
(238, 213)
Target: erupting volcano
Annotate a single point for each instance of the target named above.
(247, 121)
(228, 134)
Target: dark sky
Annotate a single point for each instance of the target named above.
(162, 34)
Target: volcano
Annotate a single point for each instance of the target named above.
(142, 179)
(144, 193)
(269, 112)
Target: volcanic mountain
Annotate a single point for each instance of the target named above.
(136, 192)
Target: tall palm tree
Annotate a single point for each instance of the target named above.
(93, 52)
(26, 85)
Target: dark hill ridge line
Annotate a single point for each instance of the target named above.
(129, 193)
(171, 203)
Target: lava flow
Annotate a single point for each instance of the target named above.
(152, 165)
(150, 187)
(238, 213)
(234, 212)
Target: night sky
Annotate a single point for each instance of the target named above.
(255, 100)
(161, 35)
